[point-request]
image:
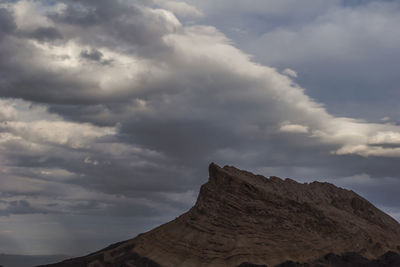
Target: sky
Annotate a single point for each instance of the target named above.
(111, 111)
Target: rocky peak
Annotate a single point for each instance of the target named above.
(247, 187)
(243, 219)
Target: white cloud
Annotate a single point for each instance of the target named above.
(290, 72)
(385, 138)
(74, 135)
(48, 132)
(293, 128)
(27, 17)
(385, 118)
(7, 112)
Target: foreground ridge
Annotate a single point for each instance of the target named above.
(243, 219)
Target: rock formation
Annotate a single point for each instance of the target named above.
(242, 219)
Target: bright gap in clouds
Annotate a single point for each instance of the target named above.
(113, 110)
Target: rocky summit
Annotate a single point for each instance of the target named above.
(243, 219)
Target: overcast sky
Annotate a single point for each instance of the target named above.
(111, 111)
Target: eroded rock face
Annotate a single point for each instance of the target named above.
(242, 219)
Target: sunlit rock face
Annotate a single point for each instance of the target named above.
(242, 219)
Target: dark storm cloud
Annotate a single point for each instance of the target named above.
(7, 24)
(92, 12)
(93, 54)
(46, 34)
(117, 26)
(19, 207)
(40, 88)
(123, 24)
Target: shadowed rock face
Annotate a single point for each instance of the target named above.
(242, 219)
(389, 259)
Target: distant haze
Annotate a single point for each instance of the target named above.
(110, 111)
(28, 261)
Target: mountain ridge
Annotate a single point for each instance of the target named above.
(241, 217)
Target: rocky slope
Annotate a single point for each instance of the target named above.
(242, 219)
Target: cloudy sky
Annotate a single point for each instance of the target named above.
(111, 111)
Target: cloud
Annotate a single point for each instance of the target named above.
(94, 54)
(180, 8)
(178, 104)
(385, 138)
(46, 132)
(354, 42)
(46, 34)
(293, 128)
(7, 24)
(19, 207)
(290, 72)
